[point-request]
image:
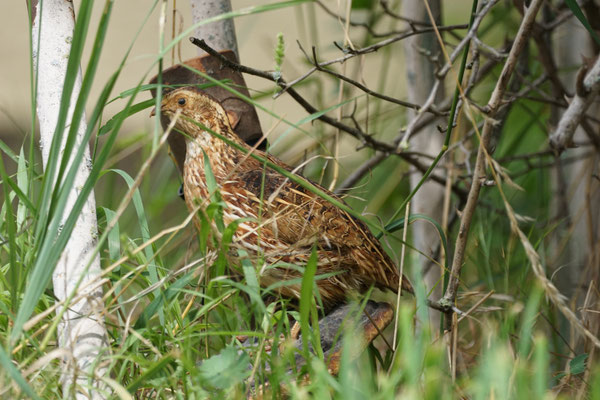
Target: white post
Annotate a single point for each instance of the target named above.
(219, 35)
(81, 330)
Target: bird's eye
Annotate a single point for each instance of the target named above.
(181, 101)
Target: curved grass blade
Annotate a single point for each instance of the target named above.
(399, 224)
(134, 109)
(157, 367)
(114, 242)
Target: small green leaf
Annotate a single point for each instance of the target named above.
(226, 369)
(577, 364)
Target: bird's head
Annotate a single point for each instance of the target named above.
(194, 104)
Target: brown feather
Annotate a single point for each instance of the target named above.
(288, 220)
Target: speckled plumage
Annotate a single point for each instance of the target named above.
(289, 220)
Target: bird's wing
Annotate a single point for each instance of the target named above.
(300, 213)
(335, 229)
(300, 218)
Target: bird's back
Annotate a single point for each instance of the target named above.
(283, 223)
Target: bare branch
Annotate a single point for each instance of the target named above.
(588, 88)
(467, 39)
(350, 53)
(364, 138)
(369, 91)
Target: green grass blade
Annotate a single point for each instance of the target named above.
(14, 373)
(138, 204)
(540, 367)
(306, 300)
(8, 151)
(134, 109)
(22, 191)
(164, 296)
(149, 251)
(572, 4)
(528, 321)
(157, 367)
(399, 224)
(17, 189)
(14, 270)
(86, 86)
(114, 242)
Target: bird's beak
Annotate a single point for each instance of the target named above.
(153, 112)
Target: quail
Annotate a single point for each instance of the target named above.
(281, 221)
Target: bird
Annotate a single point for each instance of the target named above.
(279, 221)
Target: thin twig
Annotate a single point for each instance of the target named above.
(369, 91)
(475, 306)
(467, 39)
(347, 21)
(411, 21)
(350, 53)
